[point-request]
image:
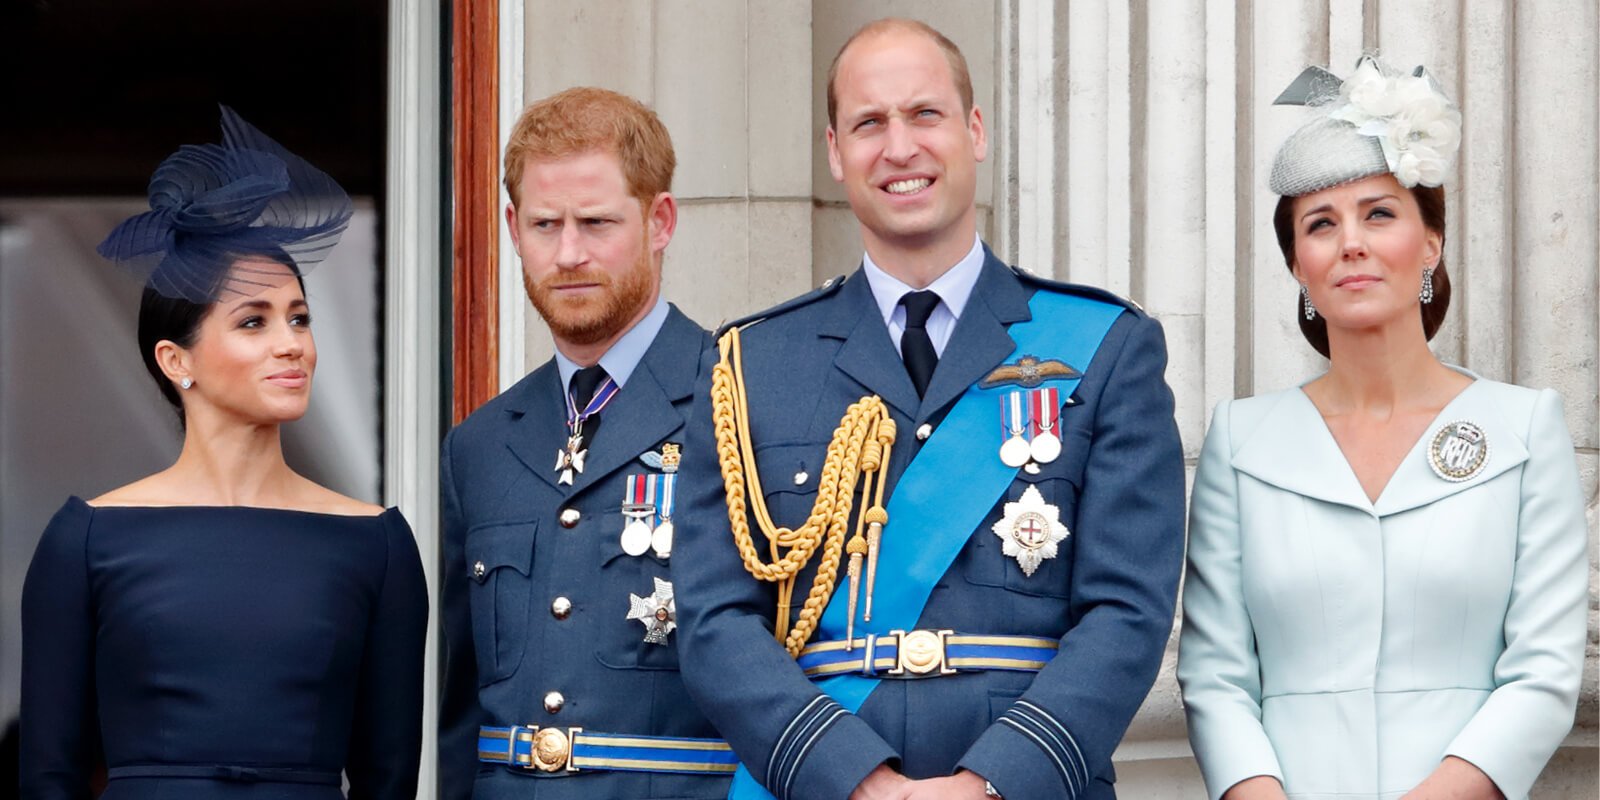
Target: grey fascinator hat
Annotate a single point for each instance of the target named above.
(211, 205)
(1373, 122)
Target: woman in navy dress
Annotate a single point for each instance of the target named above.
(225, 628)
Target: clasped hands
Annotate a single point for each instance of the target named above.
(884, 783)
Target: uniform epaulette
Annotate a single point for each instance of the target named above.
(1082, 290)
(828, 287)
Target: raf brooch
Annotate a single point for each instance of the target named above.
(1458, 451)
(667, 460)
(658, 613)
(1029, 530)
(1028, 372)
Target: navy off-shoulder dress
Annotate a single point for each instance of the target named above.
(222, 652)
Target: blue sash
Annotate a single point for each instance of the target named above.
(1064, 327)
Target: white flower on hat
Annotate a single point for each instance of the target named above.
(1418, 128)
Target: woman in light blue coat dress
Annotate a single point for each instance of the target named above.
(1387, 573)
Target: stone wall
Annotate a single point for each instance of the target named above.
(1129, 148)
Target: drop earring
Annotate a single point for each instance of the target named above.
(1311, 310)
(1426, 296)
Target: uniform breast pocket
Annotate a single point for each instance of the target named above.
(628, 630)
(789, 477)
(1037, 534)
(500, 563)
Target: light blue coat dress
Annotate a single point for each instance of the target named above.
(1345, 646)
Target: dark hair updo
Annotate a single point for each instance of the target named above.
(178, 320)
(1430, 200)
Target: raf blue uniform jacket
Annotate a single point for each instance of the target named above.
(505, 649)
(1107, 596)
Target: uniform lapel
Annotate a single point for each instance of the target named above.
(979, 342)
(642, 413)
(538, 428)
(1415, 484)
(868, 354)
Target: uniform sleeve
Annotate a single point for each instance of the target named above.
(1538, 675)
(59, 734)
(459, 712)
(1054, 740)
(794, 740)
(386, 745)
(1217, 663)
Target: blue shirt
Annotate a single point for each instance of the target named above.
(623, 356)
(953, 288)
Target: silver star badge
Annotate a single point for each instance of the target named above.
(658, 612)
(1029, 530)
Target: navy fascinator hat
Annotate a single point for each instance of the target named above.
(211, 205)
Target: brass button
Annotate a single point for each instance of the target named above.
(553, 702)
(801, 477)
(570, 517)
(924, 431)
(478, 570)
(560, 608)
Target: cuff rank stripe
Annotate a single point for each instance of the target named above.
(797, 740)
(879, 656)
(1052, 737)
(570, 750)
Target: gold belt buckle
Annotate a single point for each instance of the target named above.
(549, 749)
(921, 652)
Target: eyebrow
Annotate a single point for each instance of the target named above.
(1365, 201)
(259, 304)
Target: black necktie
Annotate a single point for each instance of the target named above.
(584, 382)
(915, 346)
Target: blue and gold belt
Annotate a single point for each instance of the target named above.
(925, 654)
(564, 751)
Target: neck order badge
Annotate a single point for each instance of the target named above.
(1068, 327)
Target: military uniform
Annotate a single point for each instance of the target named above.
(1099, 609)
(538, 593)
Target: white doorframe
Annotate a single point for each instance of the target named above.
(412, 270)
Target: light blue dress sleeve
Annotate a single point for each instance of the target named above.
(1538, 675)
(1218, 668)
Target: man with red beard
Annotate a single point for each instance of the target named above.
(561, 665)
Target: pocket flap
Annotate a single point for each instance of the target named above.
(791, 468)
(504, 544)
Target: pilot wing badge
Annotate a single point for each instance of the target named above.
(1028, 372)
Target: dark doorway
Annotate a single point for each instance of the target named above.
(94, 94)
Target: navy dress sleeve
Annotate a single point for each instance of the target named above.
(59, 732)
(386, 740)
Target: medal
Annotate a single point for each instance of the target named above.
(1014, 451)
(658, 612)
(1459, 451)
(661, 537)
(1046, 444)
(569, 459)
(1030, 530)
(638, 508)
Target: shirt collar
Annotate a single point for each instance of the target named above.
(954, 287)
(620, 361)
